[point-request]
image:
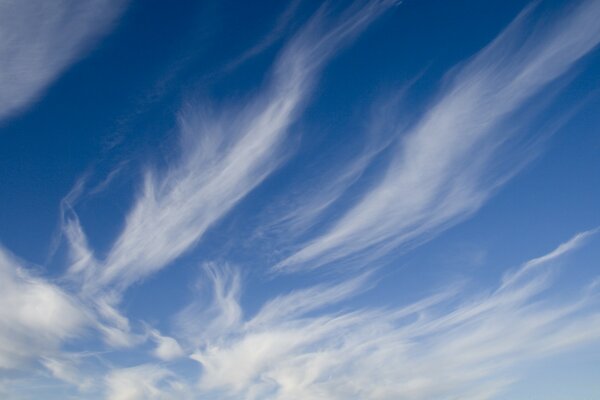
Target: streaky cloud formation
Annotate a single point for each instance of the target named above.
(224, 157)
(270, 39)
(301, 210)
(223, 323)
(40, 39)
(148, 381)
(575, 242)
(446, 166)
(65, 367)
(443, 346)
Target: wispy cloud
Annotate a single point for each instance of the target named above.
(36, 317)
(448, 164)
(167, 348)
(65, 368)
(223, 156)
(303, 207)
(40, 39)
(278, 31)
(147, 381)
(310, 342)
(444, 346)
(575, 242)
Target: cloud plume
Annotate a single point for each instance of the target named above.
(225, 157)
(446, 166)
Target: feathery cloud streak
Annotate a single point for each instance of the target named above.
(327, 340)
(40, 39)
(225, 157)
(446, 166)
(146, 381)
(440, 347)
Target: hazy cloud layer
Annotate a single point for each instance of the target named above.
(40, 39)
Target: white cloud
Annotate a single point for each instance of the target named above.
(448, 164)
(441, 347)
(301, 209)
(35, 316)
(574, 243)
(223, 157)
(301, 302)
(39, 39)
(113, 325)
(199, 322)
(143, 382)
(66, 368)
(295, 346)
(167, 348)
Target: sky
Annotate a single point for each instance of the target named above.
(363, 199)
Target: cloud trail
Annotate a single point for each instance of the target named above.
(446, 166)
(40, 39)
(148, 381)
(312, 342)
(224, 157)
(443, 346)
(66, 368)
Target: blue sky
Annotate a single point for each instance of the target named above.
(367, 199)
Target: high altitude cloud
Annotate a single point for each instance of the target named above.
(224, 156)
(447, 165)
(143, 382)
(312, 342)
(36, 317)
(444, 346)
(66, 368)
(39, 39)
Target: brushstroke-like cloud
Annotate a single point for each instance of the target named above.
(223, 157)
(447, 165)
(444, 346)
(143, 382)
(312, 342)
(40, 39)
(65, 368)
